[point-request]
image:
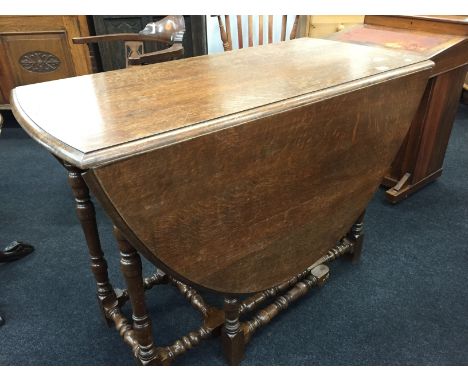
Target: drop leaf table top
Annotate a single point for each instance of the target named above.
(92, 119)
(234, 172)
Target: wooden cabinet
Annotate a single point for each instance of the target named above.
(39, 48)
(320, 26)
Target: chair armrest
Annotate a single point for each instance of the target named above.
(175, 51)
(117, 37)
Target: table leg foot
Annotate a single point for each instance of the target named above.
(232, 335)
(402, 189)
(356, 235)
(130, 265)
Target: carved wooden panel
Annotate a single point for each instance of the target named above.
(39, 61)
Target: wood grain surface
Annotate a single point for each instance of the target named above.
(246, 208)
(234, 172)
(93, 119)
(446, 50)
(446, 24)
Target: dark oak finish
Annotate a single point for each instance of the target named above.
(135, 118)
(232, 336)
(252, 192)
(245, 185)
(130, 265)
(87, 216)
(444, 40)
(317, 276)
(356, 235)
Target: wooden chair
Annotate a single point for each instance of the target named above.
(226, 33)
(169, 30)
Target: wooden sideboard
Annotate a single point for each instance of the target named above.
(442, 39)
(39, 48)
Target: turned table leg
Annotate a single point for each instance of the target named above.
(130, 265)
(356, 235)
(232, 334)
(87, 216)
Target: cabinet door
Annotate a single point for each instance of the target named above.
(36, 56)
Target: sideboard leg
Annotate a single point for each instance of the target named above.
(232, 335)
(356, 235)
(87, 216)
(130, 265)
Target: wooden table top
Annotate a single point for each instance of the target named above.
(94, 119)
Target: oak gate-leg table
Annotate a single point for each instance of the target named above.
(247, 184)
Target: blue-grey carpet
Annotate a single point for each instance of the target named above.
(404, 304)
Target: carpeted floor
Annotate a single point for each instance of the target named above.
(404, 304)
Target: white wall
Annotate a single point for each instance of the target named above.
(215, 44)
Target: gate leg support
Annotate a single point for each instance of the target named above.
(356, 235)
(232, 335)
(130, 265)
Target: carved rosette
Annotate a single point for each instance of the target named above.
(39, 61)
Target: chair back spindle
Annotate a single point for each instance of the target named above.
(293, 34)
(226, 33)
(250, 18)
(283, 28)
(270, 29)
(260, 30)
(228, 30)
(239, 32)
